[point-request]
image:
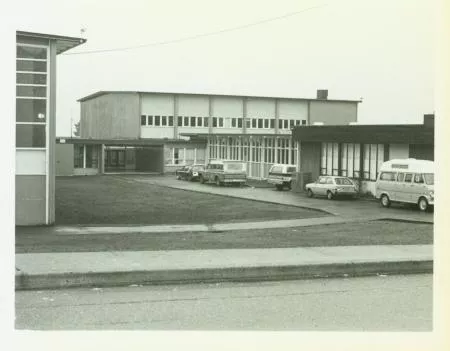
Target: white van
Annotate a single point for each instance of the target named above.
(406, 180)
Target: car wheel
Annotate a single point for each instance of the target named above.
(202, 180)
(330, 195)
(289, 185)
(189, 178)
(310, 193)
(423, 204)
(279, 187)
(178, 177)
(384, 200)
(218, 182)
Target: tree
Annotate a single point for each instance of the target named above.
(77, 129)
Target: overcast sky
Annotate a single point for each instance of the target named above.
(382, 51)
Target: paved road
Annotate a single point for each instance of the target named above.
(390, 303)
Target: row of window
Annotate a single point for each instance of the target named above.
(345, 160)
(31, 96)
(266, 150)
(218, 122)
(407, 177)
(184, 156)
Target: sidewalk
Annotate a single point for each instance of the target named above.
(138, 229)
(88, 269)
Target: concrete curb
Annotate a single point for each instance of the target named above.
(217, 275)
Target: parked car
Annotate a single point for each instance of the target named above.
(281, 176)
(224, 172)
(331, 187)
(406, 181)
(189, 173)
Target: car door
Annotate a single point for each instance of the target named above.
(329, 185)
(320, 186)
(405, 188)
(315, 186)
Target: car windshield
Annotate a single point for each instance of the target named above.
(291, 169)
(343, 181)
(429, 178)
(234, 166)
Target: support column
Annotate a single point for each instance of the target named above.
(210, 115)
(290, 150)
(84, 156)
(208, 145)
(244, 115)
(250, 158)
(175, 116)
(277, 115)
(102, 159)
(361, 165)
(261, 156)
(228, 156)
(276, 150)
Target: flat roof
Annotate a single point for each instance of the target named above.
(366, 133)
(63, 43)
(134, 142)
(103, 92)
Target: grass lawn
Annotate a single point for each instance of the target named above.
(346, 234)
(107, 200)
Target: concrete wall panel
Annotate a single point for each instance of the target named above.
(30, 199)
(260, 107)
(333, 112)
(157, 104)
(193, 105)
(156, 132)
(31, 162)
(224, 106)
(293, 109)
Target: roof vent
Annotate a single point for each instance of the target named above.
(322, 94)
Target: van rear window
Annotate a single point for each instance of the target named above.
(291, 169)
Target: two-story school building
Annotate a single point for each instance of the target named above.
(35, 124)
(159, 132)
